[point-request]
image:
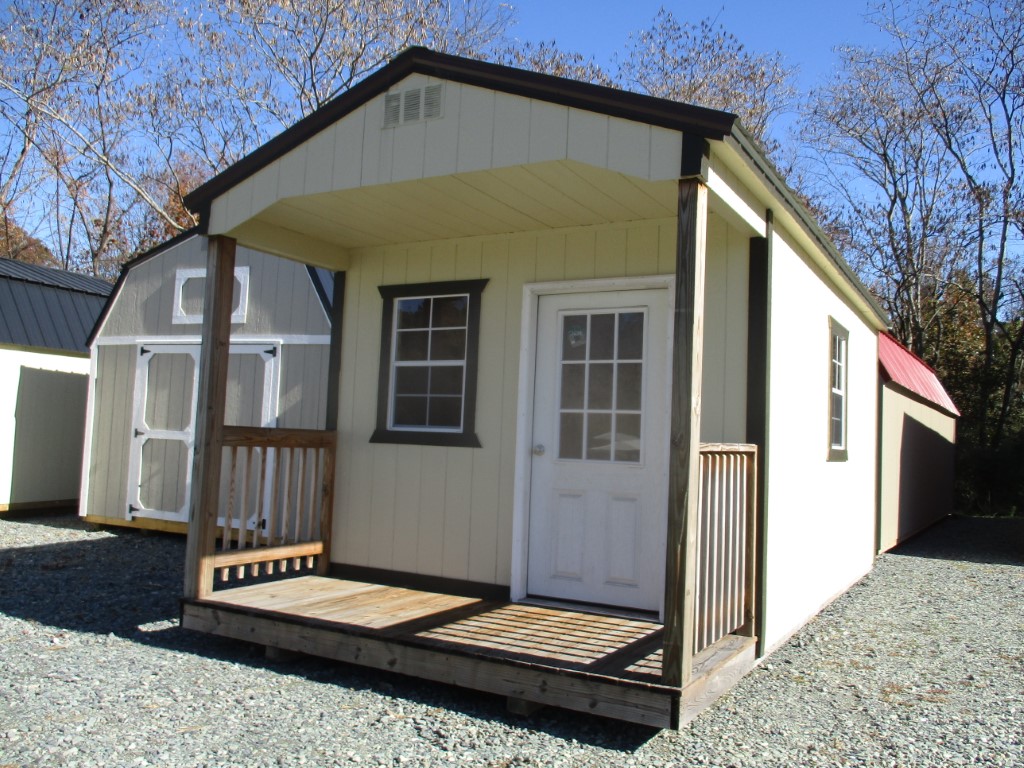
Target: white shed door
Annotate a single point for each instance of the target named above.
(164, 419)
(600, 460)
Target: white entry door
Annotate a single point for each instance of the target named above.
(598, 495)
(164, 419)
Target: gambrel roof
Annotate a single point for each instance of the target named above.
(49, 309)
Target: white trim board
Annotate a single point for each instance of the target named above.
(524, 406)
(281, 339)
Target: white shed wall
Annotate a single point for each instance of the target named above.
(42, 419)
(820, 514)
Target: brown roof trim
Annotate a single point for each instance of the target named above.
(707, 123)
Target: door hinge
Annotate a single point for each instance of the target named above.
(139, 433)
(272, 351)
(143, 351)
(132, 509)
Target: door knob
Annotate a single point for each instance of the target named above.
(538, 450)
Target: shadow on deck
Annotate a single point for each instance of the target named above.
(604, 665)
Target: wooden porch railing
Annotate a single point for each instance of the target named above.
(277, 496)
(725, 542)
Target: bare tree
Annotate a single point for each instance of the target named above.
(705, 64)
(895, 203)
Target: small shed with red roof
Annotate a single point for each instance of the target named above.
(917, 445)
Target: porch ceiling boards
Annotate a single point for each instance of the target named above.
(522, 198)
(600, 664)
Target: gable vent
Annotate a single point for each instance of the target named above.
(413, 105)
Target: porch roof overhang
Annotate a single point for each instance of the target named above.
(562, 193)
(324, 227)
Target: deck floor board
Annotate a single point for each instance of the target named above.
(574, 658)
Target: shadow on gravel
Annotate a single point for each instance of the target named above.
(128, 584)
(996, 541)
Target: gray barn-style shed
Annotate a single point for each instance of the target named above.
(145, 351)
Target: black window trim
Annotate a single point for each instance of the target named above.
(466, 438)
(836, 330)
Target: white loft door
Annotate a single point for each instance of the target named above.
(164, 417)
(600, 438)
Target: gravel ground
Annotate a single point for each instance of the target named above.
(920, 664)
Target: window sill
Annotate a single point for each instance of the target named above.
(411, 437)
(837, 454)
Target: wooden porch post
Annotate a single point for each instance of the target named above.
(213, 379)
(684, 462)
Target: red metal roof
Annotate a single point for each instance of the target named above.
(900, 365)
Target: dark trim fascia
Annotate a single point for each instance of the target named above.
(321, 290)
(337, 314)
(441, 584)
(467, 437)
(123, 276)
(700, 121)
(764, 168)
(695, 155)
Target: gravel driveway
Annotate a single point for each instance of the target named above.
(920, 664)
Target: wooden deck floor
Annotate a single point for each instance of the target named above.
(607, 665)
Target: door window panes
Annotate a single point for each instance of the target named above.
(601, 385)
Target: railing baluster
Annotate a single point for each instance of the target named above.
(725, 522)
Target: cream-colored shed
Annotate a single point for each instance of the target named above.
(917, 445)
(602, 425)
(145, 351)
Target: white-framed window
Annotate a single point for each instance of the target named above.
(190, 290)
(429, 340)
(838, 378)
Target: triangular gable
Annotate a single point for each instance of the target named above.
(902, 367)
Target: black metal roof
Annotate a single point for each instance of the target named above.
(48, 308)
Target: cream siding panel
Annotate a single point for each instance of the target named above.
(491, 381)
(348, 167)
(373, 124)
(442, 135)
(629, 147)
(549, 132)
(319, 173)
(448, 511)
(643, 243)
(239, 201)
(511, 131)
(724, 399)
(476, 128)
(264, 188)
(822, 513)
(588, 138)
(666, 154)
(291, 181)
(734, 200)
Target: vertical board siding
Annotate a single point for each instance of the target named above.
(479, 129)
(111, 432)
(282, 300)
(448, 511)
(724, 404)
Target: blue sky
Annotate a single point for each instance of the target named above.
(805, 31)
